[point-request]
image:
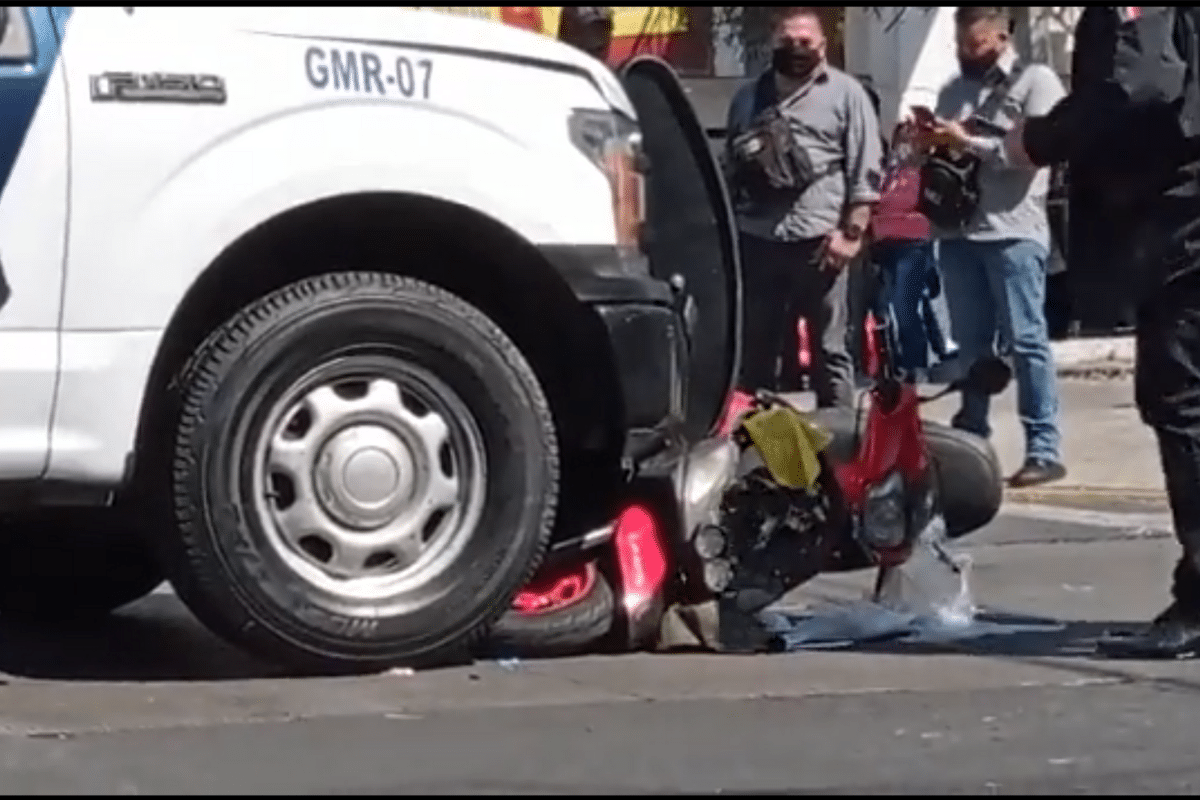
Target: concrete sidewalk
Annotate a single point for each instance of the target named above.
(1111, 457)
(1094, 357)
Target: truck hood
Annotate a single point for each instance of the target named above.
(400, 25)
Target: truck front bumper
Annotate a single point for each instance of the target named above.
(645, 331)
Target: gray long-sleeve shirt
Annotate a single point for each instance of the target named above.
(1012, 199)
(832, 119)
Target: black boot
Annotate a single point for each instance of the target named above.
(1175, 633)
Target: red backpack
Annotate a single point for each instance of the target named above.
(896, 216)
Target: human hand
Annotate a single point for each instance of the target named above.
(949, 133)
(907, 131)
(838, 250)
(924, 134)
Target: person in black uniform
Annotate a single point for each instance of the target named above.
(1130, 132)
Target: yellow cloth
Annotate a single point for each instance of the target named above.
(789, 445)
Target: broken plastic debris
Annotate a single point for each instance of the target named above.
(925, 600)
(509, 664)
(933, 584)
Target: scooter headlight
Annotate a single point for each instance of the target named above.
(708, 472)
(884, 523)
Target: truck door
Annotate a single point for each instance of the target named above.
(33, 225)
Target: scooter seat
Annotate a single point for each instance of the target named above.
(969, 477)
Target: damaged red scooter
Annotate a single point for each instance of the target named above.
(705, 528)
(780, 497)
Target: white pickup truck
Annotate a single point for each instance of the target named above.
(336, 318)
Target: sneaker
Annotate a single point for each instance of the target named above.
(1036, 471)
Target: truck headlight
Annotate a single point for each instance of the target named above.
(613, 142)
(884, 524)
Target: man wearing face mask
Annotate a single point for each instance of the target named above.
(804, 159)
(994, 262)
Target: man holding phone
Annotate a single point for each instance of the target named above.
(994, 266)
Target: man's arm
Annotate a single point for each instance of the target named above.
(1045, 91)
(740, 106)
(864, 160)
(1110, 118)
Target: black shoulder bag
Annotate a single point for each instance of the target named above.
(949, 194)
(766, 159)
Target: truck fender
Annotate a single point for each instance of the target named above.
(544, 194)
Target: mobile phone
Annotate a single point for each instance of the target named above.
(924, 115)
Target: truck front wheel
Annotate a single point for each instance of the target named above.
(365, 471)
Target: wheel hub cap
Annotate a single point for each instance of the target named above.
(365, 476)
(369, 483)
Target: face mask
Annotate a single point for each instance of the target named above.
(977, 68)
(794, 62)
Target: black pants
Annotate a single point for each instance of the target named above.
(782, 283)
(1168, 396)
(1060, 311)
(1160, 274)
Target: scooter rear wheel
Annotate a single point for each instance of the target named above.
(564, 610)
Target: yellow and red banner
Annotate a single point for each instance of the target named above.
(669, 32)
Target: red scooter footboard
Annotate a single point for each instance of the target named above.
(643, 565)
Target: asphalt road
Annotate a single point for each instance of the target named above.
(1085, 740)
(150, 704)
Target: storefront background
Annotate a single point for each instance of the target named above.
(682, 35)
(699, 41)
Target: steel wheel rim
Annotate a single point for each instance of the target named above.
(369, 478)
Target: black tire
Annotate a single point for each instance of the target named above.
(61, 565)
(222, 562)
(569, 630)
(969, 478)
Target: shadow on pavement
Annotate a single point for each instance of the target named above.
(156, 639)
(1056, 639)
(1071, 647)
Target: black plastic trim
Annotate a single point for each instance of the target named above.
(602, 274)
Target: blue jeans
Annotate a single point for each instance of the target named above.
(998, 288)
(905, 268)
(911, 289)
